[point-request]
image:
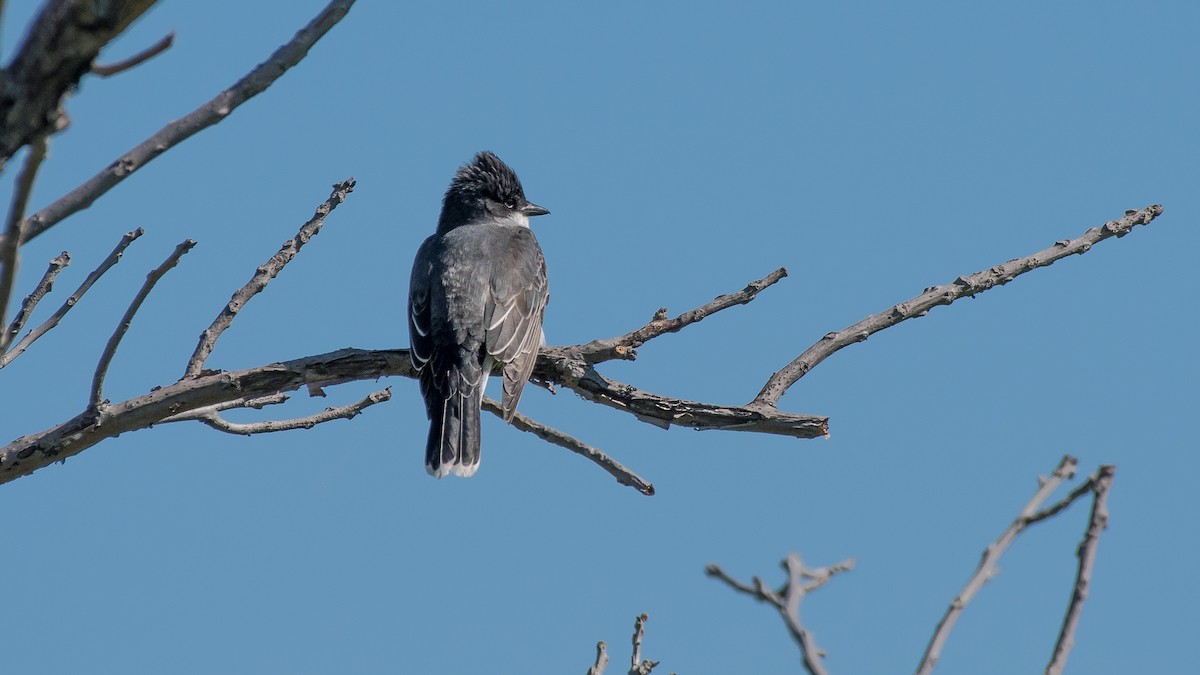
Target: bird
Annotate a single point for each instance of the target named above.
(477, 298)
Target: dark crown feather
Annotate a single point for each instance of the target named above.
(488, 176)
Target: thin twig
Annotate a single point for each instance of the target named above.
(601, 659)
(625, 346)
(786, 600)
(113, 258)
(110, 349)
(344, 412)
(1083, 576)
(1059, 506)
(987, 567)
(176, 131)
(265, 273)
(14, 230)
(551, 435)
(256, 403)
(135, 60)
(965, 286)
(57, 264)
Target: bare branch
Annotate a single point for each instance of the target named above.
(715, 570)
(967, 286)
(1061, 505)
(137, 59)
(29, 453)
(637, 666)
(344, 412)
(257, 403)
(265, 273)
(987, 564)
(625, 346)
(58, 50)
(50, 323)
(623, 475)
(601, 660)
(1083, 577)
(14, 232)
(57, 264)
(559, 365)
(110, 349)
(786, 600)
(254, 83)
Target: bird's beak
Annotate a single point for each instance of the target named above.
(531, 209)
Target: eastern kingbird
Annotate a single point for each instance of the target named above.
(476, 301)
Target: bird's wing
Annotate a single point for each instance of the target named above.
(420, 320)
(513, 315)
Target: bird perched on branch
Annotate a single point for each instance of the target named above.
(476, 301)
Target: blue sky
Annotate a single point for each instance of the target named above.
(684, 149)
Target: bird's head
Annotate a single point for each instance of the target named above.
(486, 189)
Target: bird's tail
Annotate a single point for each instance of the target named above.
(453, 445)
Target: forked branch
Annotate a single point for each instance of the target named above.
(1032, 513)
(637, 665)
(177, 131)
(113, 258)
(786, 600)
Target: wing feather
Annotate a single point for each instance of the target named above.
(518, 299)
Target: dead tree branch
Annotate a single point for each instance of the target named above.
(57, 264)
(110, 349)
(345, 412)
(559, 366)
(637, 665)
(625, 346)
(601, 663)
(965, 286)
(33, 335)
(263, 276)
(786, 600)
(59, 49)
(32, 452)
(256, 403)
(137, 59)
(1032, 513)
(553, 436)
(217, 109)
(564, 366)
(29, 453)
(1097, 522)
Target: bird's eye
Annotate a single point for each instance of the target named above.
(511, 205)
